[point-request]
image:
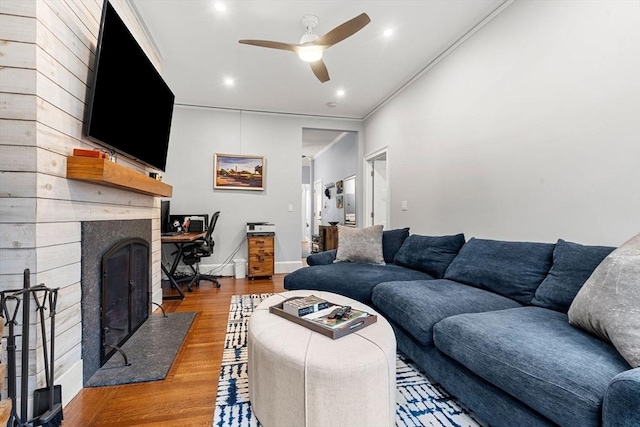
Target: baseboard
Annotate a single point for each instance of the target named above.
(228, 270)
(156, 297)
(287, 266)
(71, 382)
(215, 269)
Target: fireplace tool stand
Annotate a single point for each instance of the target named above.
(10, 301)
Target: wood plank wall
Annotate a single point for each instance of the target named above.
(47, 51)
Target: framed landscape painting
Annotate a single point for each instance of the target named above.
(238, 172)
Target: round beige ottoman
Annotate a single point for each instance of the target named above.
(298, 377)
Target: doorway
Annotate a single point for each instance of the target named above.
(377, 188)
(331, 155)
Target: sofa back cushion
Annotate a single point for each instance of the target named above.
(431, 254)
(392, 240)
(511, 269)
(572, 265)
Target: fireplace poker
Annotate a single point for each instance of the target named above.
(41, 395)
(53, 416)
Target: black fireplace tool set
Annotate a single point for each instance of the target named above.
(47, 401)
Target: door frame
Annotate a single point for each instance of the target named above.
(317, 183)
(368, 185)
(307, 212)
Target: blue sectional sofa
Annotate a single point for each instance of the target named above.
(488, 320)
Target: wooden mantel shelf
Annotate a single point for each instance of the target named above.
(106, 172)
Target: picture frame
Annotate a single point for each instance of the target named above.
(339, 187)
(238, 172)
(339, 201)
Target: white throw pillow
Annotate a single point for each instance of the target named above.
(363, 245)
(608, 304)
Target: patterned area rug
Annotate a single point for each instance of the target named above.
(420, 402)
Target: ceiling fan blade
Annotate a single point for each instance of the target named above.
(320, 70)
(270, 44)
(343, 31)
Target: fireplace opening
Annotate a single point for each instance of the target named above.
(125, 294)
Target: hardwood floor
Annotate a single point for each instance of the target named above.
(187, 396)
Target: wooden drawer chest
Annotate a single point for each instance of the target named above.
(261, 256)
(328, 238)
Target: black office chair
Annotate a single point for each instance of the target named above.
(202, 248)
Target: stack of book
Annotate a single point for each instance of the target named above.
(303, 306)
(90, 153)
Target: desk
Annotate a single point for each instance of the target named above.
(179, 240)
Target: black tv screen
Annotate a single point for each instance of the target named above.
(130, 106)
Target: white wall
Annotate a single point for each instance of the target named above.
(528, 131)
(198, 133)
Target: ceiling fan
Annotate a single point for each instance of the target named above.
(311, 46)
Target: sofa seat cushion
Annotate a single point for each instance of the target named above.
(349, 279)
(417, 306)
(535, 355)
(511, 269)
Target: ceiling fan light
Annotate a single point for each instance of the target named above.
(310, 53)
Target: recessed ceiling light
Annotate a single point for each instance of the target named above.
(388, 32)
(340, 92)
(220, 7)
(229, 81)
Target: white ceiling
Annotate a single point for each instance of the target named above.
(199, 50)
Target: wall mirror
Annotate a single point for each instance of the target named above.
(349, 185)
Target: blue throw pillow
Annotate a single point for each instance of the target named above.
(431, 254)
(511, 269)
(392, 240)
(572, 265)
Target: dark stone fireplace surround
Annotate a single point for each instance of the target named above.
(97, 238)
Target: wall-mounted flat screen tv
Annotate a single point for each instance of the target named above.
(130, 105)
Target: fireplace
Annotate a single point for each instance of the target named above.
(98, 239)
(125, 293)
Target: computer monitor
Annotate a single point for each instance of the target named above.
(183, 218)
(165, 224)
